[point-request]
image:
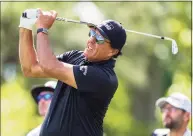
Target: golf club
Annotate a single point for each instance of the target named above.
(174, 44)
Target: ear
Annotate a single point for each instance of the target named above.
(186, 116)
(113, 52)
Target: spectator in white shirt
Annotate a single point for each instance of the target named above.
(176, 114)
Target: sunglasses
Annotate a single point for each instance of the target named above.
(172, 109)
(47, 96)
(99, 38)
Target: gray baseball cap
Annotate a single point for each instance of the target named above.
(177, 100)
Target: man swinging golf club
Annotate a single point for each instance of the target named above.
(87, 81)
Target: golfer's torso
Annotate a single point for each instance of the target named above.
(72, 113)
(73, 117)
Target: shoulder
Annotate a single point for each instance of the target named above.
(73, 52)
(188, 133)
(69, 55)
(110, 76)
(35, 131)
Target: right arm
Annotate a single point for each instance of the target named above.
(27, 55)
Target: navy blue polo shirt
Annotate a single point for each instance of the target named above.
(80, 112)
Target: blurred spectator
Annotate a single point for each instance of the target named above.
(176, 113)
(42, 96)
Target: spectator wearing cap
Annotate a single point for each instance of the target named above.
(87, 80)
(42, 96)
(176, 114)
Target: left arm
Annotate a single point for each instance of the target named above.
(47, 60)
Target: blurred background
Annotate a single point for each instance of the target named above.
(146, 71)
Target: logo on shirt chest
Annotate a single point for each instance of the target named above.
(84, 69)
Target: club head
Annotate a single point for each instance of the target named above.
(174, 47)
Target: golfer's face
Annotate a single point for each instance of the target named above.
(44, 102)
(172, 117)
(97, 50)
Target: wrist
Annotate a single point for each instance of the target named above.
(25, 26)
(41, 26)
(42, 30)
(22, 29)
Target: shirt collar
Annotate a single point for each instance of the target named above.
(187, 132)
(110, 62)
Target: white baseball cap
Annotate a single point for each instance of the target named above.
(51, 84)
(177, 100)
(48, 86)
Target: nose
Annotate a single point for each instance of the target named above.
(167, 113)
(42, 101)
(92, 39)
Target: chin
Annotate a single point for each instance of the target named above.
(42, 114)
(85, 53)
(168, 125)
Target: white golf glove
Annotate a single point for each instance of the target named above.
(28, 18)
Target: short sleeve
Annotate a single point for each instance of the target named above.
(90, 78)
(64, 57)
(67, 56)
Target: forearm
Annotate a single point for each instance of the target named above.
(49, 63)
(27, 54)
(45, 55)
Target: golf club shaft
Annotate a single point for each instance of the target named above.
(151, 35)
(35, 15)
(70, 20)
(82, 22)
(174, 45)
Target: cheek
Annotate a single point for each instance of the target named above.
(40, 105)
(88, 41)
(103, 49)
(174, 116)
(48, 103)
(100, 51)
(163, 116)
(178, 116)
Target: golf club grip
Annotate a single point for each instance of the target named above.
(33, 15)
